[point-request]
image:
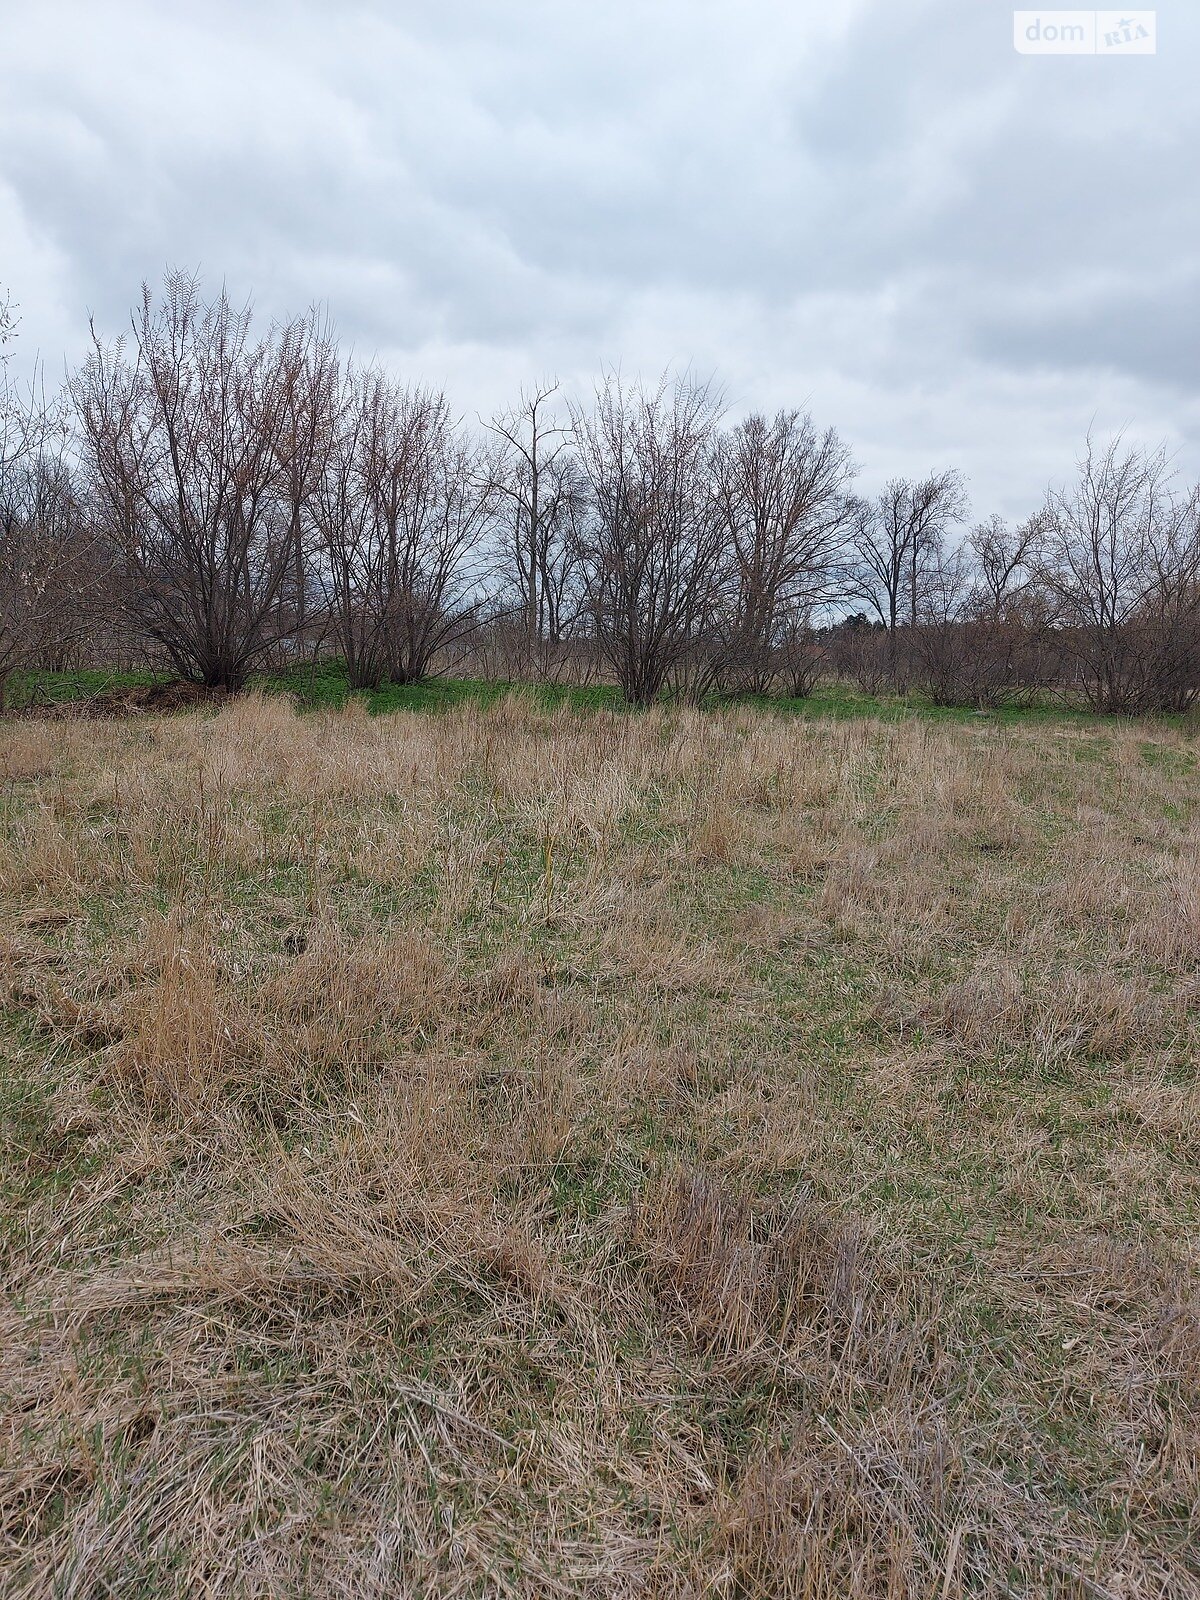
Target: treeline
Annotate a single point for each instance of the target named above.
(216, 501)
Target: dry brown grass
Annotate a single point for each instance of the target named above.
(520, 1153)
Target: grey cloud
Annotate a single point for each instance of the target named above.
(954, 252)
(1151, 330)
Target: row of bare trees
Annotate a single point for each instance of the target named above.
(222, 499)
(1096, 597)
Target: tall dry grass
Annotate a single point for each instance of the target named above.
(518, 1153)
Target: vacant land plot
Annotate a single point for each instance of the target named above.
(518, 1152)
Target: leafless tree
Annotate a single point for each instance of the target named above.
(1120, 558)
(782, 492)
(896, 539)
(340, 509)
(402, 506)
(1002, 564)
(541, 484)
(184, 441)
(799, 658)
(50, 579)
(46, 579)
(980, 636)
(857, 649)
(310, 371)
(949, 653)
(652, 544)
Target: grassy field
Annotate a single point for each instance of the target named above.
(323, 685)
(535, 1150)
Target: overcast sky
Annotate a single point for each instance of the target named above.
(954, 253)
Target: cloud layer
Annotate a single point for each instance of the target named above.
(954, 253)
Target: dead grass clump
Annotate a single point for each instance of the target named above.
(255, 742)
(24, 959)
(1168, 928)
(641, 940)
(666, 1074)
(40, 856)
(882, 896)
(1168, 1111)
(186, 1041)
(974, 1010)
(344, 1002)
(1147, 1303)
(1128, 1317)
(862, 1511)
(536, 1113)
(512, 987)
(1096, 890)
(745, 1280)
(808, 843)
(1059, 1016)
(718, 833)
(27, 751)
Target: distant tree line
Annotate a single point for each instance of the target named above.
(216, 500)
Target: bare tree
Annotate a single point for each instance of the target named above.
(1002, 561)
(857, 649)
(948, 654)
(935, 505)
(310, 370)
(879, 553)
(340, 508)
(540, 482)
(1120, 558)
(799, 658)
(896, 540)
(652, 544)
(48, 576)
(402, 506)
(184, 443)
(782, 492)
(186, 452)
(979, 636)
